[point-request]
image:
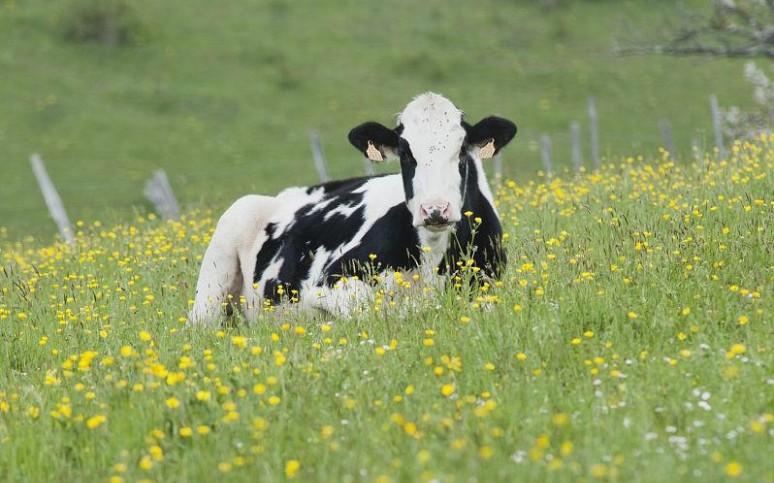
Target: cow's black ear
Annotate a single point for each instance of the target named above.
(375, 141)
(490, 135)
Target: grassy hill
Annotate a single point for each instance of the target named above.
(224, 96)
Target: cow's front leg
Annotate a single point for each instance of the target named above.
(346, 298)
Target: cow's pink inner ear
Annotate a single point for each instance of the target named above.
(373, 153)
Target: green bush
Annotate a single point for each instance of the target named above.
(107, 22)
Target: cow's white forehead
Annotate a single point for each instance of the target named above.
(432, 127)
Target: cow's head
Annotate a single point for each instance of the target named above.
(434, 145)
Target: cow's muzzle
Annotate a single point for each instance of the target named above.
(436, 215)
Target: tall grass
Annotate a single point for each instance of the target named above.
(630, 339)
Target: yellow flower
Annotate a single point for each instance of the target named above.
(156, 452)
(186, 432)
(447, 389)
(291, 468)
(146, 463)
(632, 316)
(274, 400)
(173, 402)
(485, 452)
(239, 341)
(757, 426)
(599, 470)
(95, 421)
(737, 349)
(560, 419)
(326, 431)
(423, 456)
(733, 469)
(566, 448)
(543, 442)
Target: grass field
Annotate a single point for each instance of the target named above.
(629, 340)
(224, 97)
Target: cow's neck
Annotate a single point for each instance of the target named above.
(476, 185)
(433, 245)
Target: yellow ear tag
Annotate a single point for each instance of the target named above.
(372, 153)
(487, 151)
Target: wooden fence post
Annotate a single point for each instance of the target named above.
(159, 192)
(319, 157)
(717, 125)
(666, 134)
(594, 129)
(545, 151)
(576, 148)
(53, 200)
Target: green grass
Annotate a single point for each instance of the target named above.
(224, 97)
(628, 340)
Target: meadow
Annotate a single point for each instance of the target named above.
(629, 340)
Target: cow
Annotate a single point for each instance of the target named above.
(323, 246)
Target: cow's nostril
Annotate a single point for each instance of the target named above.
(442, 208)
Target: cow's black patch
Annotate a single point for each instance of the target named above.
(268, 251)
(394, 241)
(408, 168)
(483, 241)
(311, 230)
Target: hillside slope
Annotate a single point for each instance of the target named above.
(224, 96)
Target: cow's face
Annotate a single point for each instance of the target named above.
(434, 145)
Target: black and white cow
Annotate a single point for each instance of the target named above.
(318, 245)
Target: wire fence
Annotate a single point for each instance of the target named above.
(158, 189)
